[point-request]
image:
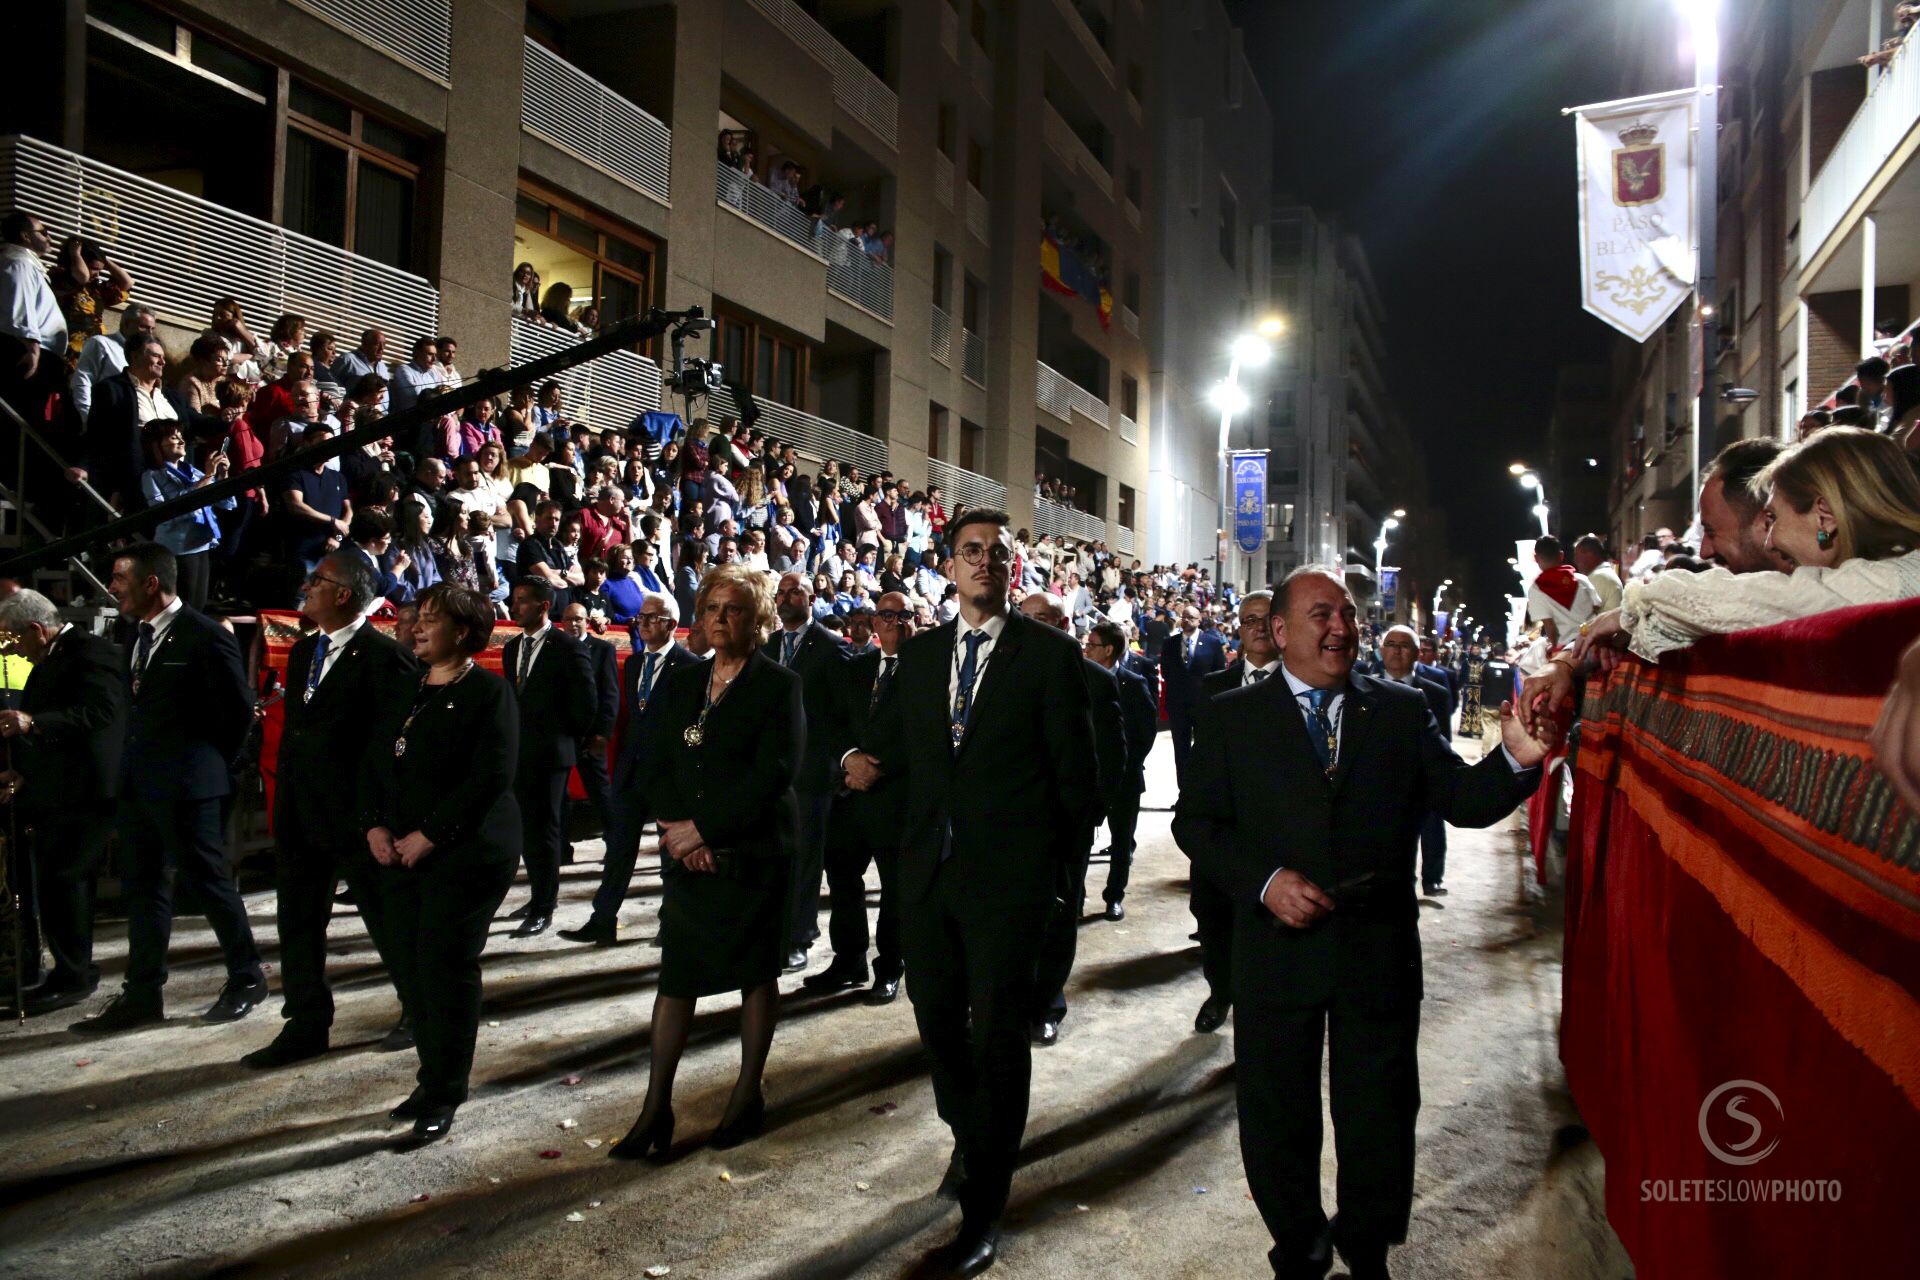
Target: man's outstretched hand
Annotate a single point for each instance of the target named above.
(1527, 746)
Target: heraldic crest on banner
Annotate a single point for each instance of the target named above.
(1639, 166)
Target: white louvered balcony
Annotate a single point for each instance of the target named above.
(565, 106)
(856, 276)
(1057, 520)
(958, 485)
(973, 358)
(1130, 320)
(943, 179)
(1878, 129)
(412, 31)
(1073, 152)
(977, 217)
(739, 192)
(856, 89)
(1061, 396)
(940, 338)
(817, 439)
(1129, 430)
(607, 393)
(186, 253)
(1088, 41)
(1123, 540)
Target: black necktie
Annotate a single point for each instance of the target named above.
(526, 661)
(880, 683)
(141, 653)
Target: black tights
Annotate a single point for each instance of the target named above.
(673, 1019)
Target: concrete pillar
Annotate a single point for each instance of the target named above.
(1869, 278)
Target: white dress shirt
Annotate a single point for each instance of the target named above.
(1247, 673)
(161, 624)
(337, 642)
(103, 355)
(992, 628)
(28, 309)
(153, 404)
(529, 654)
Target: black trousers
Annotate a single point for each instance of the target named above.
(305, 872)
(593, 779)
(849, 854)
(1059, 943)
(1374, 1082)
(66, 856)
(1180, 727)
(1213, 913)
(185, 837)
(809, 862)
(626, 815)
(430, 925)
(972, 953)
(543, 808)
(1123, 819)
(1433, 851)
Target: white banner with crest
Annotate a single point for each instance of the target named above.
(1637, 241)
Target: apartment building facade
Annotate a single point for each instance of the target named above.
(392, 164)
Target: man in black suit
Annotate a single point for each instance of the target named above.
(190, 709)
(1110, 760)
(115, 454)
(1187, 656)
(1307, 792)
(1397, 662)
(628, 810)
(605, 662)
(1430, 667)
(1212, 910)
(335, 677)
(66, 737)
(814, 652)
(1140, 721)
(867, 827)
(991, 733)
(553, 688)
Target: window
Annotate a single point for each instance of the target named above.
(976, 165)
(1229, 224)
(978, 24)
(1133, 185)
(350, 179)
(1125, 514)
(1129, 398)
(606, 263)
(771, 365)
(948, 129)
(1136, 83)
(936, 418)
(972, 446)
(1130, 292)
(942, 277)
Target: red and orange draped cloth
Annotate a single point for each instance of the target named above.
(280, 631)
(1065, 272)
(1743, 909)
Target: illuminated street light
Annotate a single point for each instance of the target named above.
(1229, 398)
(1249, 351)
(1272, 326)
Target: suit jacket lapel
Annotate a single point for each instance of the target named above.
(988, 682)
(1357, 715)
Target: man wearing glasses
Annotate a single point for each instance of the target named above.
(867, 826)
(627, 810)
(990, 732)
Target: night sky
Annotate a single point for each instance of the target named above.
(1433, 129)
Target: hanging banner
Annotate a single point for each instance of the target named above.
(1442, 623)
(1389, 583)
(1636, 210)
(1249, 468)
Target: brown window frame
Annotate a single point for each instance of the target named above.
(753, 333)
(359, 151)
(604, 226)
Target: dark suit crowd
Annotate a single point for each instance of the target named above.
(972, 764)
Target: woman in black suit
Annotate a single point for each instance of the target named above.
(724, 748)
(436, 799)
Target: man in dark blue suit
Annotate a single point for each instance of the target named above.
(628, 809)
(1397, 650)
(189, 711)
(591, 756)
(1188, 656)
(1305, 797)
(1431, 668)
(1140, 721)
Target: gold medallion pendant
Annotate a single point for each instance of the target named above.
(693, 735)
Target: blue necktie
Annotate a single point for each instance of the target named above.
(880, 684)
(788, 643)
(1325, 745)
(963, 696)
(320, 648)
(646, 678)
(141, 653)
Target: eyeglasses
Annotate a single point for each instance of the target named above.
(1257, 623)
(893, 615)
(317, 576)
(655, 617)
(974, 552)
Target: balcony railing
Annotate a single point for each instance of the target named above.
(565, 106)
(413, 31)
(1123, 540)
(943, 179)
(607, 393)
(742, 194)
(973, 358)
(1130, 320)
(1060, 395)
(817, 438)
(977, 219)
(1072, 150)
(958, 485)
(1088, 40)
(1883, 122)
(186, 253)
(940, 338)
(1129, 430)
(856, 276)
(861, 93)
(1057, 520)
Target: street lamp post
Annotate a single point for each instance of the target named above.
(1379, 564)
(1439, 591)
(1703, 19)
(1249, 351)
(1530, 479)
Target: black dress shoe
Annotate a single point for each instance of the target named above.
(645, 1142)
(834, 978)
(293, 1044)
(883, 991)
(601, 933)
(1212, 1015)
(413, 1108)
(1435, 891)
(743, 1128)
(45, 997)
(432, 1125)
(123, 1013)
(970, 1253)
(400, 1037)
(1369, 1263)
(532, 926)
(796, 960)
(519, 913)
(237, 999)
(1046, 1033)
(953, 1179)
(1115, 911)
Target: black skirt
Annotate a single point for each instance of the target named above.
(723, 932)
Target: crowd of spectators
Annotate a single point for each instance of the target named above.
(822, 205)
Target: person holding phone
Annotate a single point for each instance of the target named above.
(168, 475)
